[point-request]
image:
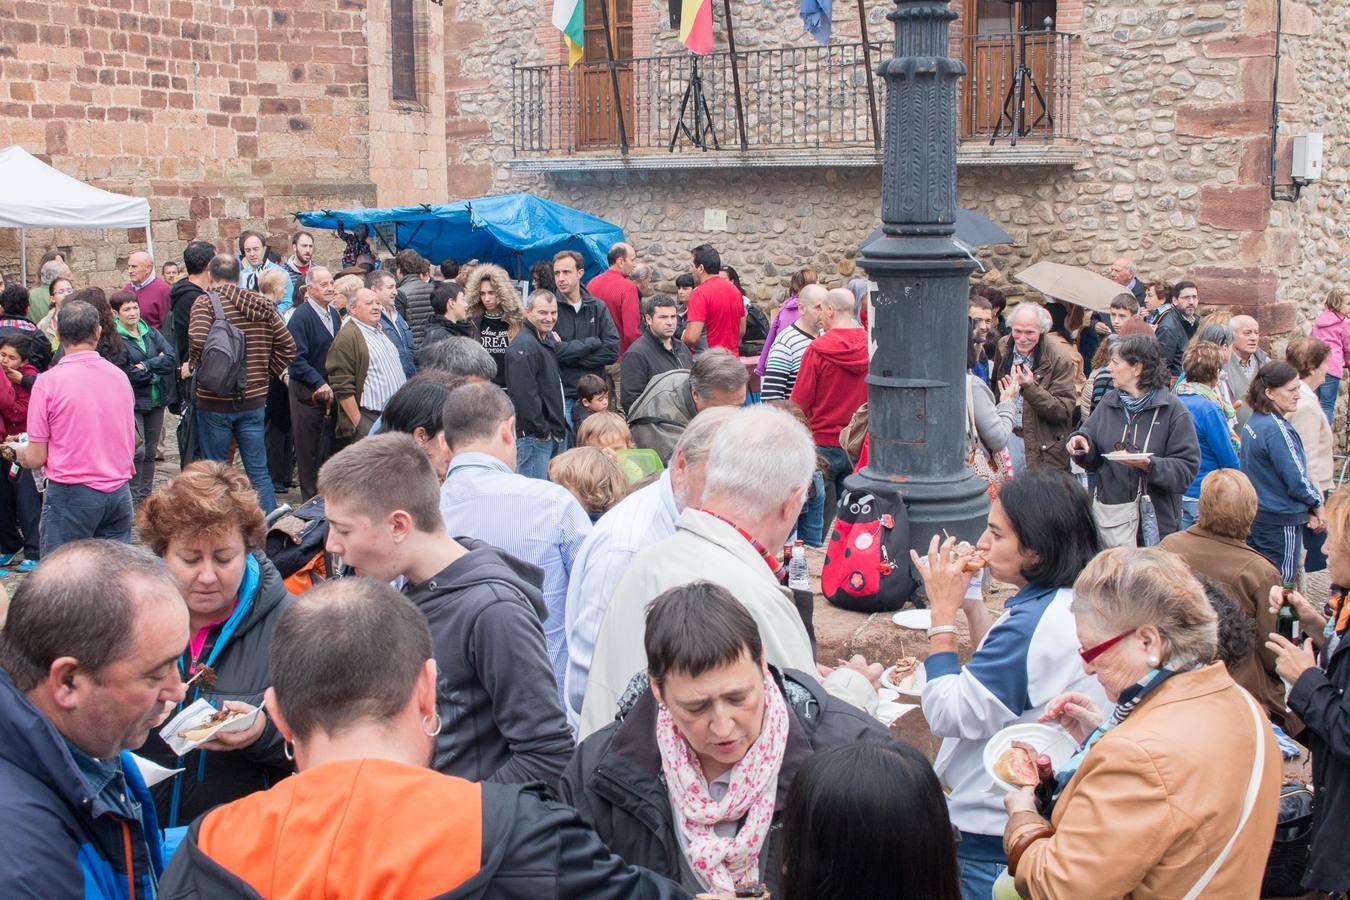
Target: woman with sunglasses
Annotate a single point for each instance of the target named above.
(1039, 537)
(1174, 793)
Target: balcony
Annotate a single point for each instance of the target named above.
(800, 106)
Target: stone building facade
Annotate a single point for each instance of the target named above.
(232, 115)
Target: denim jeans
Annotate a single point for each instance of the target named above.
(72, 512)
(533, 454)
(1190, 512)
(811, 522)
(214, 430)
(840, 468)
(1326, 395)
(977, 876)
(151, 424)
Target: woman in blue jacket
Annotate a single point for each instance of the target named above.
(1199, 393)
(1273, 458)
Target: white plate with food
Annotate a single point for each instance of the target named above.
(200, 722)
(1126, 456)
(906, 677)
(917, 619)
(1010, 755)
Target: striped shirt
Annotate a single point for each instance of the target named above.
(534, 520)
(384, 375)
(783, 363)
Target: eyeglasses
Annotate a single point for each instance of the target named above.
(1090, 653)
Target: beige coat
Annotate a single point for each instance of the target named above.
(703, 547)
(1315, 432)
(1248, 577)
(1156, 800)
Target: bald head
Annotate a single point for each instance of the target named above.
(1122, 270)
(140, 266)
(839, 306)
(365, 306)
(622, 257)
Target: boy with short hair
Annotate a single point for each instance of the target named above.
(592, 397)
(1124, 307)
(497, 701)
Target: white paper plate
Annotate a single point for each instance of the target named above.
(1051, 740)
(1122, 456)
(152, 773)
(917, 619)
(197, 712)
(911, 687)
(887, 695)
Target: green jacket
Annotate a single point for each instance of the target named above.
(347, 363)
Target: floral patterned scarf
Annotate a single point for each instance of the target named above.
(1212, 393)
(724, 862)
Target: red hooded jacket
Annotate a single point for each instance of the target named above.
(832, 383)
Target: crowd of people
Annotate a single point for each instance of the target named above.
(526, 629)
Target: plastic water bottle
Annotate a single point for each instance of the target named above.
(799, 576)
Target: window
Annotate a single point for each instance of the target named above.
(402, 39)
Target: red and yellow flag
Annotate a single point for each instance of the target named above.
(696, 26)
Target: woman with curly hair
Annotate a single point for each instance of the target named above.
(208, 528)
(494, 307)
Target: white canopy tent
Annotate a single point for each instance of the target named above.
(39, 196)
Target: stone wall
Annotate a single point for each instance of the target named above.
(225, 115)
(1174, 119)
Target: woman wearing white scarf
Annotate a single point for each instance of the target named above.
(691, 781)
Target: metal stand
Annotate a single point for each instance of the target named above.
(702, 131)
(1017, 98)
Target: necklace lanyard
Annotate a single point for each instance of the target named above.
(769, 559)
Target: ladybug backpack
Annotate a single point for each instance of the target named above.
(867, 567)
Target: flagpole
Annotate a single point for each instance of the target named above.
(736, 75)
(867, 64)
(614, 76)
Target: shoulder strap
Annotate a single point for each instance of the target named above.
(216, 305)
(1248, 802)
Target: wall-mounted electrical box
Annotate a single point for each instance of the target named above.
(1307, 158)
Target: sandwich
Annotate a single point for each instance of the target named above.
(204, 728)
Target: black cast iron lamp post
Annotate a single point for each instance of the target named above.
(917, 377)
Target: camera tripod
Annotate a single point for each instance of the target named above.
(702, 131)
(1016, 98)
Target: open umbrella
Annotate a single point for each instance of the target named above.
(1071, 284)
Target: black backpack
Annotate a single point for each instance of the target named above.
(221, 369)
(867, 566)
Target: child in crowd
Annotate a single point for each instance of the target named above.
(592, 397)
(605, 430)
(14, 366)
(593, 477)
(20, 503)
(357, 244)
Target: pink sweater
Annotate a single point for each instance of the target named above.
(1333, 329)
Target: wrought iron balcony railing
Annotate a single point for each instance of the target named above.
(805, 97)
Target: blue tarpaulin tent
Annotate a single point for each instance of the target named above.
(513, 230)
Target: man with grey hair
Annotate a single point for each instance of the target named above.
(88, 666)
(81, 426)
(460, 356)
(641, 519)
(313, 324)
(758, 471)
(1245, 361)
(152, 292)
(643, 276)
(672, 399)
(1039, 373)
(534, 382)
(40, 298)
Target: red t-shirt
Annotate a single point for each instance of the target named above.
(718, 305)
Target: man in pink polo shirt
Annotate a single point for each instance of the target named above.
(81, 427)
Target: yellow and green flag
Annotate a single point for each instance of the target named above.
(569, 17)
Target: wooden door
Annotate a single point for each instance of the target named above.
(994, 34)
(597, 125)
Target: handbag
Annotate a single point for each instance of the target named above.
(988, 466)
(1289, 852)
(1133, 523)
